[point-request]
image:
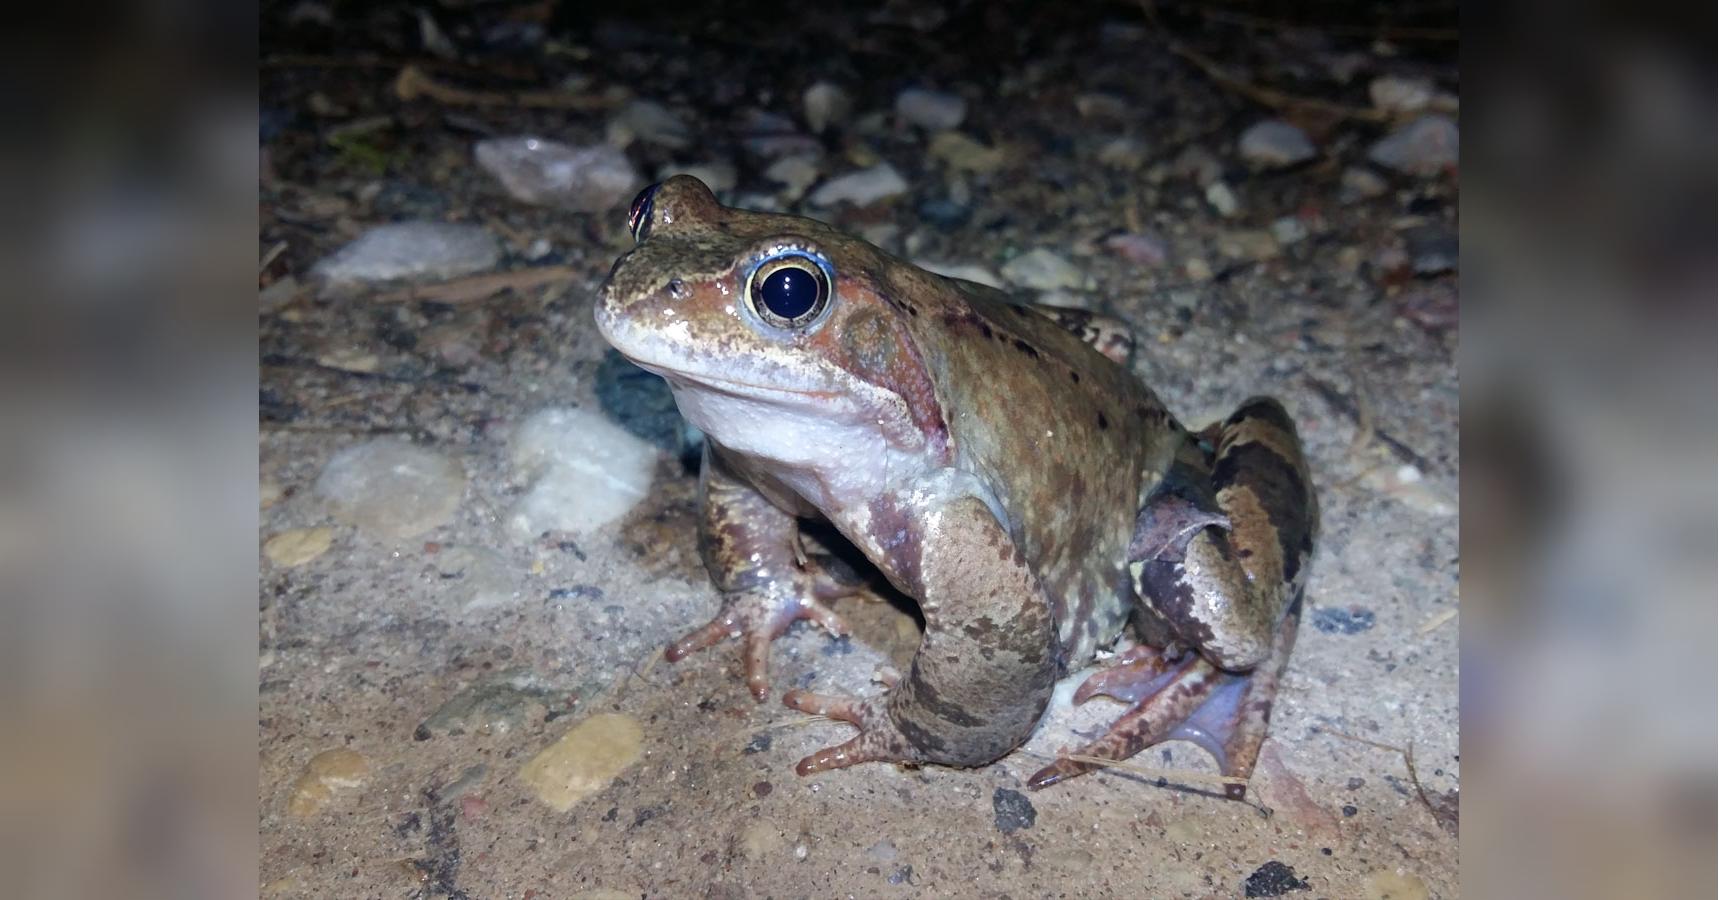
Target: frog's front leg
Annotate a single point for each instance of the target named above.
(986, 663)
(751, 549)
(1220, 557)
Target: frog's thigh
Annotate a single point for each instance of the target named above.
(986, 664)
(1232, 587)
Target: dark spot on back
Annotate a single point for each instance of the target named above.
(985, 330)
(1026, 348)
(1103, 423)
(1074, 375)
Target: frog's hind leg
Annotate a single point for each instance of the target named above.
(1111, 337)
(1225, 713)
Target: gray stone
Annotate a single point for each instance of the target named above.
(826, 105)
(1274, 144)
(410, 251)
(548, 173)
(651, 122)
(861, 188)
(1427, 146)
(931, 110)
(1042, 270)
(392, 489)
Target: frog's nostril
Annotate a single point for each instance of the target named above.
(678, 289)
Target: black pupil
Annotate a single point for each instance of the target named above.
(789, 292)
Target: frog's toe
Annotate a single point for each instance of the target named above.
(1136, 675)
(759, 618)
(1149, 721)
(878, 741)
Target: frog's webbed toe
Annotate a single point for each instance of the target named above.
(758, 617)
(1223, 712)
(879, 739)
(1170, 697)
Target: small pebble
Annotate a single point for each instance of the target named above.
(269, 492)
(650, 122)
(963, 153)
(1289, 230)
(1122, 153)
(1359, 183)
(1396, 94)
(931, 110)
(392, 489)
(1426, 147)
(861, 188)
(1433, 249)
(825, 105)
(1274, 144)
(1253, 245)
(1140, 249)
(1042, 270)
(1013, 811)
(298, 546)
(1197, 163)
(794, 173)
(1274, 879)
(328, 773)
(1197, 269)
(583, 760)
(548, 173)
(410, 251)
(585, 472)
(1222, 199)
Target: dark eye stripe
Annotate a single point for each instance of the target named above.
(639, 217)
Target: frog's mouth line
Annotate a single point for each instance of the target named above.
(701, 381)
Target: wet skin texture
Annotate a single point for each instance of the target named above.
(997, 462)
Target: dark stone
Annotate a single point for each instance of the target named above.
(1014, 811)
(1340, 620)
(1349, 811)
(759, 744)
(641, 403)
(1274, 879)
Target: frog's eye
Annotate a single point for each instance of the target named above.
(789, 291)
(639, 218)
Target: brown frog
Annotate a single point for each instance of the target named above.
(997, 462)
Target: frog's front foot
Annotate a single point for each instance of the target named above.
(757, 617)
(879, 739)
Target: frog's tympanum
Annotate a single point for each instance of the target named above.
(1000, 465)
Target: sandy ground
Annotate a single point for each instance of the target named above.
(362, 643)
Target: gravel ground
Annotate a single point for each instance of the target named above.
(434, 620)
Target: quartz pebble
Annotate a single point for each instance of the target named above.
(861, 188)
(585, 472)
(1393, 884)
(410, 251)
(328, 773)
(548, 173)
(297, 546)
(650, 122)
(1396, 94)
(1252, 245)
(391, 489)
(1425, 147)
(1042, 270)
(794, 173)
(931, 110)
(1274, 144)
(1222, 199)
(583, 760)
(826, 105)
(1359, 183)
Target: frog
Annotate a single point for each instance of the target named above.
(998, 462)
